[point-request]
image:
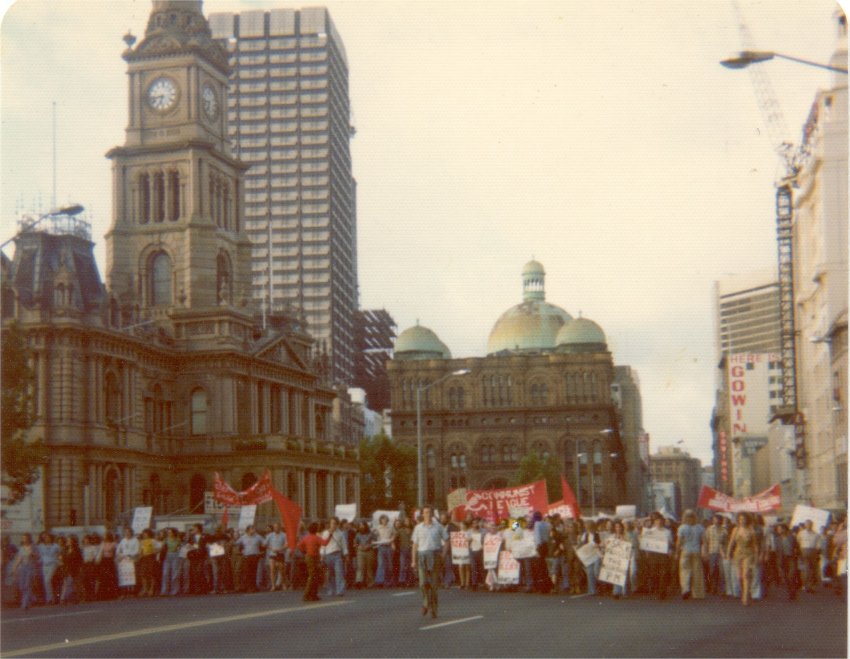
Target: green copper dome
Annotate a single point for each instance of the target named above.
(419, 342)
(534, 323)
(581, 335)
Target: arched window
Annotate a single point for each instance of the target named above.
(199, 412)
(112, 398)
(160, 280)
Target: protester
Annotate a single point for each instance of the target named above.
(429, 540)
(591, 538)
(403, 533)
(309, 546)
(809, 542)
(48, 553)
(689, 548)
(128, 551)
(384, 536)
(251, 544)
(276, 548)
(743, 547)
(335, 551)
(657, 563)
(23, 567)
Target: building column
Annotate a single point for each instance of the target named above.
(311, 483)
(286, 429)
(329, 491)
(300, 486)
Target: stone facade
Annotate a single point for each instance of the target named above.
(148, 386)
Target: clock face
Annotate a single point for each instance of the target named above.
(209, 101)
(162, 94)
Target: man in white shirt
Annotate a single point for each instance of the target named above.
(335, 551)
(276, 552)
(809, 543)
(428, 540)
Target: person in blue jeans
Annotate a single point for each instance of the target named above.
(23, 569)
(384, 538)
(590, 536)
(335, 551)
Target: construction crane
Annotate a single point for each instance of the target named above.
(792, 159)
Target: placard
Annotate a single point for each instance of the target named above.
(141, 519)
(492, 542)
(345, 511)
(460, 547)
(654, 541)
(126, 572)
(588, 553)
(615, 561)
(818, 516)
(216, 549)
(626, 512)
(508, 572)
(524, 547)
(474, 541)
(247, 514)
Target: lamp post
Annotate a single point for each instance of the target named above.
(747, 57)
(420, 464)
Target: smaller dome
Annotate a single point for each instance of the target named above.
(581, 334)
(533, 268)
(419, 342)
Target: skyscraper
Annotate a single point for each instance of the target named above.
(747, 313)
(289, 120)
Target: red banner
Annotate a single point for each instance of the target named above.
(770, 499)
(494, 505)
(259, 492)
(290, 513)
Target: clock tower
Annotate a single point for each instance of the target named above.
(177, 249)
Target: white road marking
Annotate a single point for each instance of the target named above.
(165, 628)
(55, 615)
(575, 597)
(451, 622)
(407, 592)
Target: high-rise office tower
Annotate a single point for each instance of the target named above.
(747, 313)
(289, 120)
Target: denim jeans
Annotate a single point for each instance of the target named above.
(384, 576)
(47, 572)
(403, 567)
(336, 574)
(170, 574)
(592, 572)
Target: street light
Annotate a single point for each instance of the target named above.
(747, 57)
(420, 465)
(70, 210)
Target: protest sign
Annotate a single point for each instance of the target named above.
(126, 572)
(524, 547)
(392, 516)
(588, 553)
(508, 573)
(615, 562)
(519, 512)
(819, 516)
(626, 512)
(492, 542)
(345, 511)
(654, 541)
(494, 505)
(562, 509)
(246, 516)
(216, 549)
(460, 547)
(141, 519)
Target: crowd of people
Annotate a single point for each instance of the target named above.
(718, 556)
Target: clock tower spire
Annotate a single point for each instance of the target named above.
(177, 246)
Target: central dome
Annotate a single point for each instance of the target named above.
(534, 323)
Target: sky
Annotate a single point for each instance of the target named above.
(601, 138)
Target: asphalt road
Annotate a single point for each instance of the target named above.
(387, 623)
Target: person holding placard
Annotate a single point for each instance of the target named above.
(127, 554)
(384, 537)
(589, 552)
(657, 544)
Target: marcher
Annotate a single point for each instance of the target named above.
(743, 547)
(309, 545)
(689, 546)
(809, 543)
(23, 569)
(429, 540)
(336, 549)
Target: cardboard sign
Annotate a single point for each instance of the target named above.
(588, 554)
(141, 519)
(524, 547)
(492, 542)
(615, 562)
(247, 514)
(345, 511)
(626, 512)
(508, 572)
(817, 515)
(460, 547)
(216, 550)
(654, 541)
(126, 572)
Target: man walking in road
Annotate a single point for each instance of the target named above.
(428, 539)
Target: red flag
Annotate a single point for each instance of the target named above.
(569, 498)
(290, 513)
